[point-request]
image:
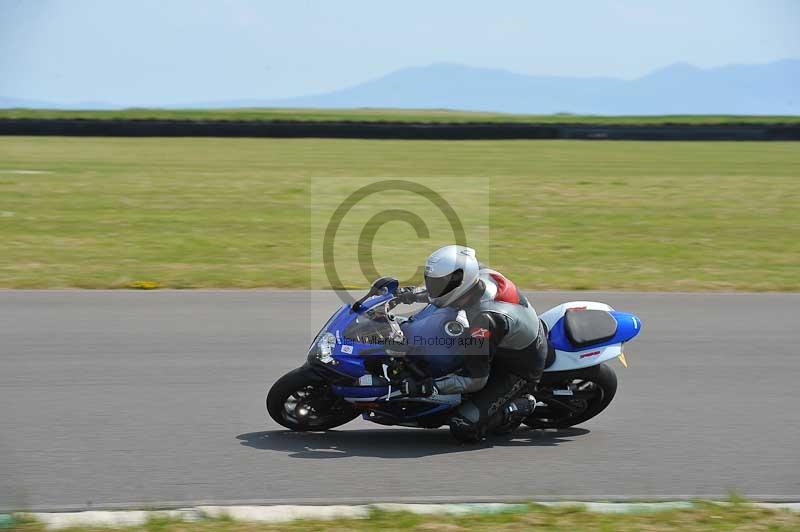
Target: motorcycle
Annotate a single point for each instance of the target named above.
(357, 361)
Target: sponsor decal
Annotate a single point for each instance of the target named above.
(590, 354)
(480, 332)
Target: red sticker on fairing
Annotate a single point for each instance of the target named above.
(480, 332)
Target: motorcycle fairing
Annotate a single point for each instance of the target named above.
(349, 357)
(569, 356)
(628, 326)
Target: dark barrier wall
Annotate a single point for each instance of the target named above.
(393, 130)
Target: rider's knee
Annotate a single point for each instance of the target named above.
(466, 424)
(468, 413)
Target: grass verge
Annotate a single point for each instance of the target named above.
(205, 212)
(703, 517)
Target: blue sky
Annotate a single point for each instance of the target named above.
(150, 52)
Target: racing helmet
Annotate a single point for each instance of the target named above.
(450, 272)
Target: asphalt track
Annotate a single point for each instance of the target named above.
(123, 398)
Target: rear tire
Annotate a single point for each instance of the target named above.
(600, 379)
(302, 390)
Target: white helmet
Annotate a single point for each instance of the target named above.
(449, 272)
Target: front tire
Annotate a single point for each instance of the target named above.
(301, 401)
(593, 390)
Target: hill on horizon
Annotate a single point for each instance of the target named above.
(678, 89)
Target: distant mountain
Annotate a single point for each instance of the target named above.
(450, 86)
(19, 103)
(772, 88)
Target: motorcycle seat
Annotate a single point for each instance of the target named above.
(588, 327)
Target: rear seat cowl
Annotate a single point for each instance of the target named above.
(588, 327)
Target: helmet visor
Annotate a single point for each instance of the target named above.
(439, 286)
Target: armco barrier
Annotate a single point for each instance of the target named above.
(393, 130)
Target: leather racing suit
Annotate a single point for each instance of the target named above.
(505, 352)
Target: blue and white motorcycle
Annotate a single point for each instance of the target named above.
(358, 360)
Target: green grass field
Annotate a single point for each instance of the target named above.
(391, 115)
(203, 212)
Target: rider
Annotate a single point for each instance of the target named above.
(503, 332)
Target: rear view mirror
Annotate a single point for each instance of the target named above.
(390, 284)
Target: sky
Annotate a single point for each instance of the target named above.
(166, 52)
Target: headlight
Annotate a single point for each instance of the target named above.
(326, 343)
(322, 349)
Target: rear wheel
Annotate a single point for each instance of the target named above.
(301, 401)
(572, 397)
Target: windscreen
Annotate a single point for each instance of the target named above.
(369, 328)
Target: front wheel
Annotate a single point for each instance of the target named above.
(301, 401)
(572, 397)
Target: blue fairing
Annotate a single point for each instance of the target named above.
(628, 326)
(348, 363)
(425, 334)
(421, 332)
(352, 364)
(428, 323)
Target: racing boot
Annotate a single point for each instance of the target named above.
(515, 413)
(518, 409)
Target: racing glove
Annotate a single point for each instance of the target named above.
(414, 388)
